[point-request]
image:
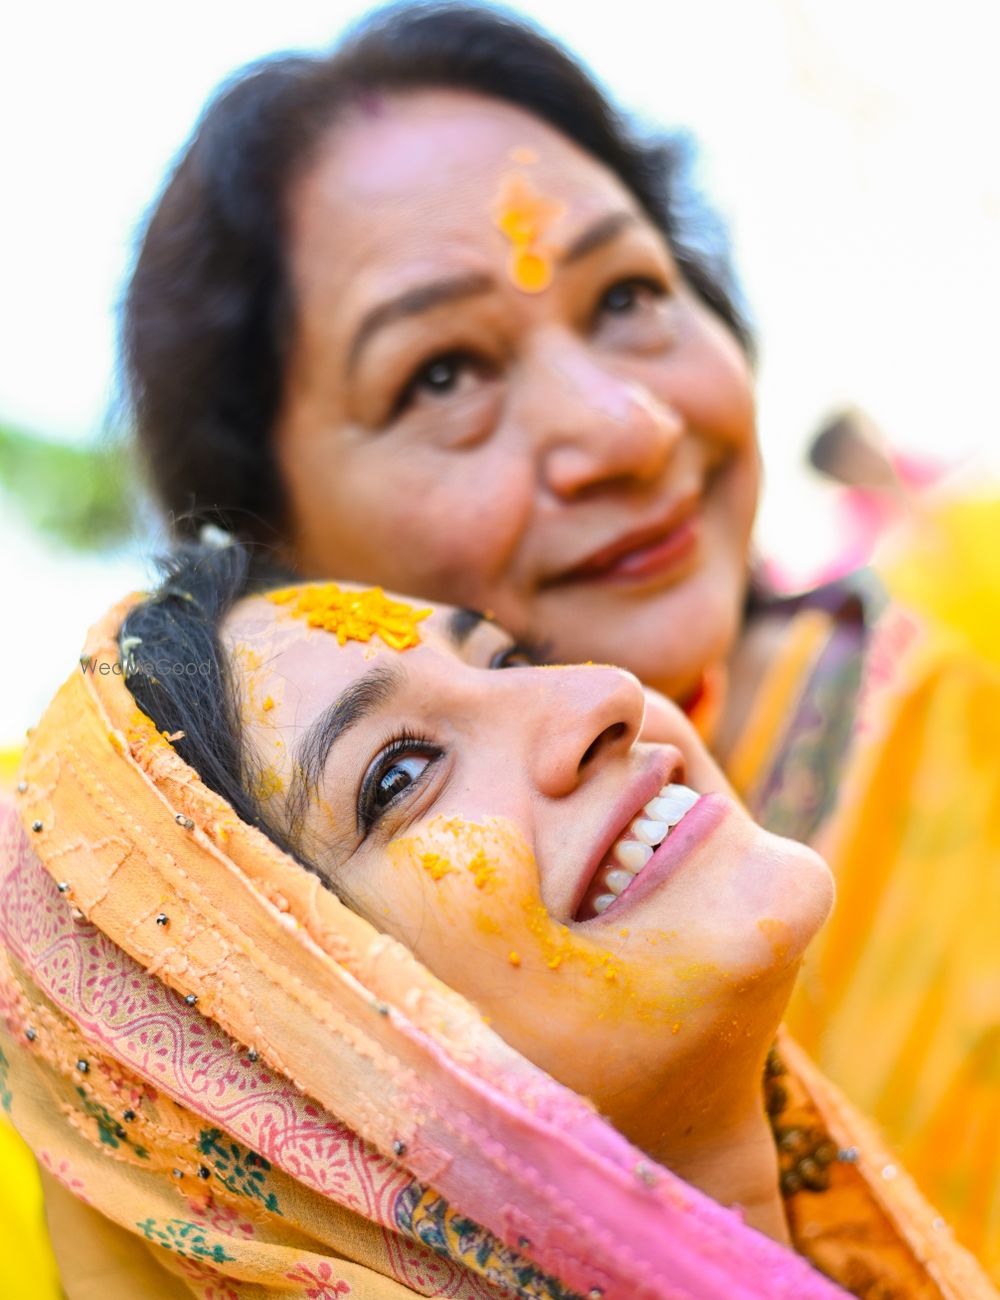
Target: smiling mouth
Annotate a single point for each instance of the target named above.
(634, 848)
(642, 553)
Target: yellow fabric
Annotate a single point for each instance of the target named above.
(900, 1000)
(26, 1262)
(774, 701)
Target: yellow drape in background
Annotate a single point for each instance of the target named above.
(900, 998)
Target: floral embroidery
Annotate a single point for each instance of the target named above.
(327, 1286)
(210, 1214)
(183, 1238)
(242, 1171)
(212, 1287)
(111, 1133)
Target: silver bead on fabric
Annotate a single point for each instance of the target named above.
(645, 1174)
(186, 822)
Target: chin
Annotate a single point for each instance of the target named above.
(797, 897)
(761, 899)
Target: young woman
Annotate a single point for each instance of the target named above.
(530, 1055)
(425, 313)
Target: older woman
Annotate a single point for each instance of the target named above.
(424, 313)
(239, 1086)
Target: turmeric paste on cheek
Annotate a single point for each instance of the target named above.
(505, 908)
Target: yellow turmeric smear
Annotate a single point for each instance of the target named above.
(436, 866)
(523, 214)
(268, 703)
(483, 871)
(353, 615)
(267, 784)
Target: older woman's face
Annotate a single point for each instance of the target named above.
(514, 831)
(502, 394)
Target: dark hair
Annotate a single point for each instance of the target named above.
(208, 311)
(179, 675)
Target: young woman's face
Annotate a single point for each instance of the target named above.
(502, 394)
(511, 825)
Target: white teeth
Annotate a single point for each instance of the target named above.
(632, 855)
(649, 832)
(672, 803)
(618, 880)
(603, 901)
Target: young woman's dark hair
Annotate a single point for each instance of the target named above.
(208, 312)
(178, 673)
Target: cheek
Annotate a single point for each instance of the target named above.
(441, 525)
(465, 897)
(714, 388)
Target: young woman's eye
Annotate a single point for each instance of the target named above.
(399, 767)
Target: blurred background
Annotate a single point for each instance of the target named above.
(851, 145)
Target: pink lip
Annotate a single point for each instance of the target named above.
(690, 833)
(666, 764)
(644, 552)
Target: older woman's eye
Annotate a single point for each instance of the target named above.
(627, 295)
(519, 654)
(516, 655)
(400, 766)
(438, 378)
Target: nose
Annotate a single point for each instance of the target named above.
(578, 717)
(594, 426)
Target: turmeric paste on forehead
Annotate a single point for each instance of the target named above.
(523, 215)
(353, 615)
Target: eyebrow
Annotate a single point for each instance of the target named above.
(413, 302)
(601, 232)
(355, 703)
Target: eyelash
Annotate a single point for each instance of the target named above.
(406, 743)
(410, 742)
(461, 358)
(654, 286)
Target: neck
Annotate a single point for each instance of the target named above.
(715, 1134)
(738, 1167)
